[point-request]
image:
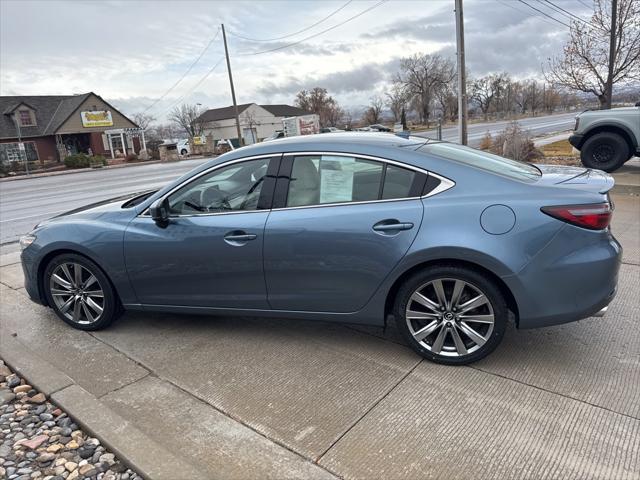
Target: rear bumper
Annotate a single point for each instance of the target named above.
(576, 140)
(569, 280)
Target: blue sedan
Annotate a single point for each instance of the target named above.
(450, 242)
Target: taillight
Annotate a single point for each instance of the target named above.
(594, 216)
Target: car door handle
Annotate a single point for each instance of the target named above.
(392, 227)
(239, 237)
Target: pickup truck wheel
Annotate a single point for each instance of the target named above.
(605, 151)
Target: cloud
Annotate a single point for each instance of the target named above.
(362, 78)
(131, 54)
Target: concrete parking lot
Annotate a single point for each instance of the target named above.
(248, 398)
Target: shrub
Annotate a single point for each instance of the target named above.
(82, 160)
(486, 142)
(131, 157)
(77, 160)
(515, 143)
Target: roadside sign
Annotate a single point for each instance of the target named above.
(21, 147)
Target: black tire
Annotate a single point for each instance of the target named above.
(86, 296)
(476, 284)
(183, 151)
(606, 151)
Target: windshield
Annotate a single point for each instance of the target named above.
(483, 160)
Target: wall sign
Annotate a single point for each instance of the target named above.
(97, 118)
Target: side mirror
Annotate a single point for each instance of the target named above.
(159, 211)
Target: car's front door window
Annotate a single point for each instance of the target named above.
(236, 187)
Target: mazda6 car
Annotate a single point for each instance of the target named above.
(449, 242)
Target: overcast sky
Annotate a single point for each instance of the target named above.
(132, 52)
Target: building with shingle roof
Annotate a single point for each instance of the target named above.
(54, 126)
(256, 121)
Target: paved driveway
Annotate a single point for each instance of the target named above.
(247, 398)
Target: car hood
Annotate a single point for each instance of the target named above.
(576, 177)
(122, 203)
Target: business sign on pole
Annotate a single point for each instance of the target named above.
(199, 140)
(97, 118)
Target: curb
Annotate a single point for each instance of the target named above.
(135, 448)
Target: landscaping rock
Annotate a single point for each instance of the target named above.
(38, 441)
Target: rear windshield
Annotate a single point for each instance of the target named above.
(483, 160)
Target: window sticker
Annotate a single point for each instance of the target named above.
(336, 179)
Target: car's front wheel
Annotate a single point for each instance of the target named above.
(451, 315)
(184, 151)
(605, 151)
(80, 293)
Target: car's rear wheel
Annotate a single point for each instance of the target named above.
(80, 293)
(605, 151)
(451, 315)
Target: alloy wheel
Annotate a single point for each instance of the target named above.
(77, 293)
(450, 317)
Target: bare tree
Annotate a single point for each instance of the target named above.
(397, 99)
(250, 121)
(422, 75)
(373, 114)
(482, 93)
(187, 117)
(447, 97)
(143, 119)
(584, 64)
(318, 101)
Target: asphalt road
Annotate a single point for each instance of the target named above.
(25, 202)
(536, 126)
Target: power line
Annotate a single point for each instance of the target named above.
(206, 75)
(315, 34)
(581, 2)
(155, 102)
(507, 4)
(545, 14)
(290, 34)
(564, 12)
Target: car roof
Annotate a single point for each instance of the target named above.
(330, 142)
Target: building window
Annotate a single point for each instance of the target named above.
(10, 152)
(26, 119)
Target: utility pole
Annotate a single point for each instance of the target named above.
(233, 91)
(612, 52)
(462, 76)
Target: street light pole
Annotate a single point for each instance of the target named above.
(462, 76)
(233, 92)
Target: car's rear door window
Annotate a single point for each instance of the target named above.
(329, 179)
(397, 182)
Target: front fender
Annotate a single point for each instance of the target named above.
(101, 243)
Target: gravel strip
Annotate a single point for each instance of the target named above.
(39, 441)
